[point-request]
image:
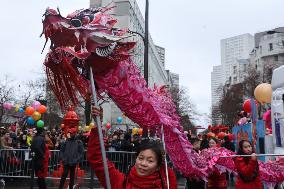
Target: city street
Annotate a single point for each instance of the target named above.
(53, 184)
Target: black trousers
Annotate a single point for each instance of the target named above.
(192, 184)
(65, 174)
(41, 183)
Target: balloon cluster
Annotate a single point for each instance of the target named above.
(35, 113)
(138, 131)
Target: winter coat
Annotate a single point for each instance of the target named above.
(41, 156)
(72, 152)
(119, 180)
(248, 174)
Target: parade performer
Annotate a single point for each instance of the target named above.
(247, 167)
(71, 153)
(87, 40)
(216, 180)
(148, 171)
(41, 157)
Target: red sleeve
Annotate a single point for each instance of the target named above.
(96, 161)
(243, 168)
(172, 179)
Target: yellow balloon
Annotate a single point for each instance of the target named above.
(263, 93)
(134, 131)
(17, 107)
(80, 127)
(36, 116)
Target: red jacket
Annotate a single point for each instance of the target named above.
(247, 171)
(217, 181)
(117, 179)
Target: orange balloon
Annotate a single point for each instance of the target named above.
(263, 93)
(29, 110)
(62, 126)
(140, 131)
(42, 109)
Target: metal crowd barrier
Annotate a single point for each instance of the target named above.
(18, 163)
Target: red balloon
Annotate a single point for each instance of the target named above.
(247, 106)
(108, 125)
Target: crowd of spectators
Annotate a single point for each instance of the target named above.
(17, 138)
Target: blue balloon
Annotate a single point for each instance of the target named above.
(119, 120)
(21, 110)
(30, 121)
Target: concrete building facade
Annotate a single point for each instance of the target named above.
(268, 53)
(239, 71)
(216, 83)
(233, 49)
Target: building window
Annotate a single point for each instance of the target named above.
(270, 46)
(235, 79)
(276, 58)
(260, 49)
(235, 69)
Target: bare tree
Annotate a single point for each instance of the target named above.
(7, 94)
(184, 107)
(31, 90)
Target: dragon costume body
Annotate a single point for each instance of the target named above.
(87, 38)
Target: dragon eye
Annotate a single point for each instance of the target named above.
(76, 22)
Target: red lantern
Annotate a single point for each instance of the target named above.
(70, 120)
(247, 105)
(221, 135)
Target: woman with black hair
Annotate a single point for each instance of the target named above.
(147, 172)
(216, 180)
(247, 167)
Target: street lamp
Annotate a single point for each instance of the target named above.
(145, 39)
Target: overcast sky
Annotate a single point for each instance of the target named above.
(190, 31)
